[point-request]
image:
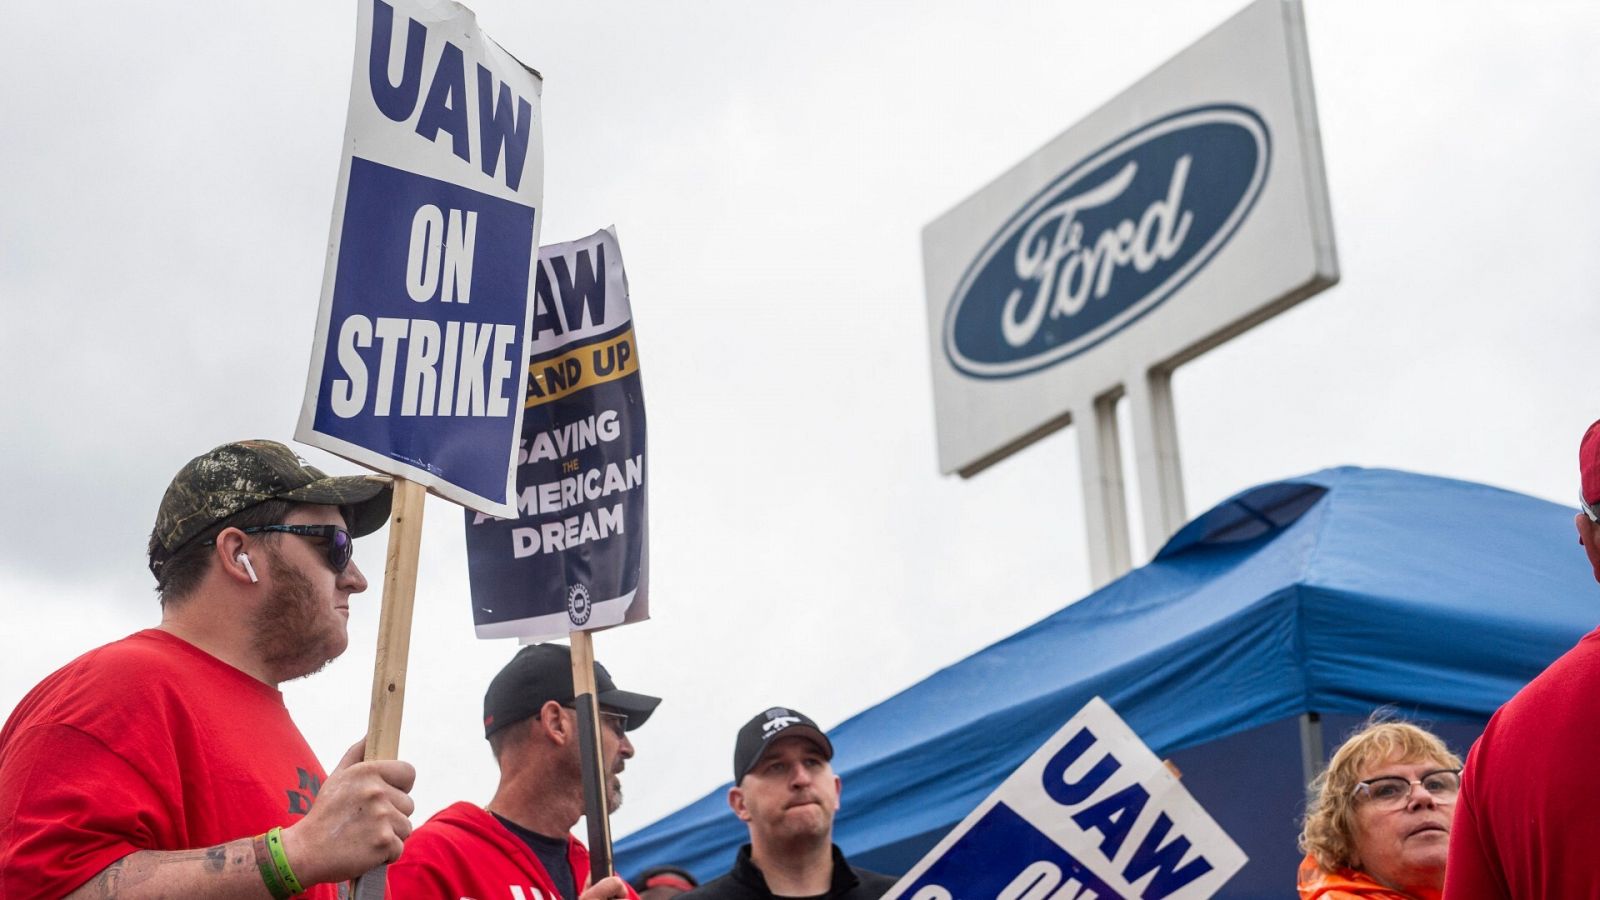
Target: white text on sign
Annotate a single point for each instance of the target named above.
(447, 369)
(1114, 816)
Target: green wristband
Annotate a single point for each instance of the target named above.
(280, 862)
(269, 872)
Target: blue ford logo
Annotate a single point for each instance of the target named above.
(1107, 242)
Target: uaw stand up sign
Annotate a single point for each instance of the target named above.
(1092, 815)
(1188, 209)
(576, 555)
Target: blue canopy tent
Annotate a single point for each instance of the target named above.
(1313, 599)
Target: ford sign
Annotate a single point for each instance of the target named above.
(1107, 242)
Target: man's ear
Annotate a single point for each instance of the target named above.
(736, 803)
(838, 791)
(228, 545)
(554, 723)
(1588, 533)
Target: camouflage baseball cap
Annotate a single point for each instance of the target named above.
(235, 477)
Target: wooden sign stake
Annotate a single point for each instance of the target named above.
(394, 641)
(596, 810)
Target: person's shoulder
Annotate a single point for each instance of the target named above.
(123, 669)
(140, 651)
(723, 887)
(868, 876)
(445, 851)
(871, 884)
(456, 824)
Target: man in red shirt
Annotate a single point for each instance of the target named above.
(1524, 824)
(165, 764)
(520, 846)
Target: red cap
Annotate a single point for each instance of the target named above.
(1589, 464)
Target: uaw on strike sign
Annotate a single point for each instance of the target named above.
(1092, 815)
(418, 365)
(575, 556)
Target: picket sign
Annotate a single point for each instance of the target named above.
(1091, 815)
(418, 364)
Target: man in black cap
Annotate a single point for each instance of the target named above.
(165, 764)
(520, 845)
(785, 791)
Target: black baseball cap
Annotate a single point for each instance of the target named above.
(540, 673)
(768, 726)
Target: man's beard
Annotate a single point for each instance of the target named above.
(612, 778)
(613, 793)
(291, 634)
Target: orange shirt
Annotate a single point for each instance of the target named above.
(1349, 884)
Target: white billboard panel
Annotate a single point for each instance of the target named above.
(1188, 209)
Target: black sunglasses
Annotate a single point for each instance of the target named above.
(340, 545)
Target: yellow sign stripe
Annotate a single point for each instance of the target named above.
(587, 366)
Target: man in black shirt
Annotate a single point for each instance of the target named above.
(786, 792)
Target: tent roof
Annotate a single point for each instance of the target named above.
(1334, 592)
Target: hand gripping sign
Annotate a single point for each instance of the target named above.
(576, 555)
(1092, 815)
(417, 365)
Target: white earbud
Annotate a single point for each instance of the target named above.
(244, 560)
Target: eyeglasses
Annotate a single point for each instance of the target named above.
(1588, 510)
(617, 722)
(339, 547)
(1394, 792)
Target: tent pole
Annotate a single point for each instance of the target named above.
(1310, 746)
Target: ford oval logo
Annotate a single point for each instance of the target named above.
(1107, 242)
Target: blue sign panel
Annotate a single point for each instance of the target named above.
(420, 352)
(1107, 242)
(1004, 856)
(425, 344)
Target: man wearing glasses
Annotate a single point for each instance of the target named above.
(165, 764)
(520, 845)
(1525, 825)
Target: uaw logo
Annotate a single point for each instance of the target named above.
(578, 605)
(1107, 242)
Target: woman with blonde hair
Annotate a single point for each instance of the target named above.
(1378, 823)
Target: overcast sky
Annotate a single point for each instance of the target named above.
(170, 171)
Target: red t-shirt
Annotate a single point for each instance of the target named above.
(1525, 824)
(464, 853)
(148, 743)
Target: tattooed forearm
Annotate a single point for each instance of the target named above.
(217, 858)
(226, 870)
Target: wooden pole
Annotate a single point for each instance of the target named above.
(394, 641)
(394, 621)
(596, 808)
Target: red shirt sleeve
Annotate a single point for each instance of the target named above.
(69, 807)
